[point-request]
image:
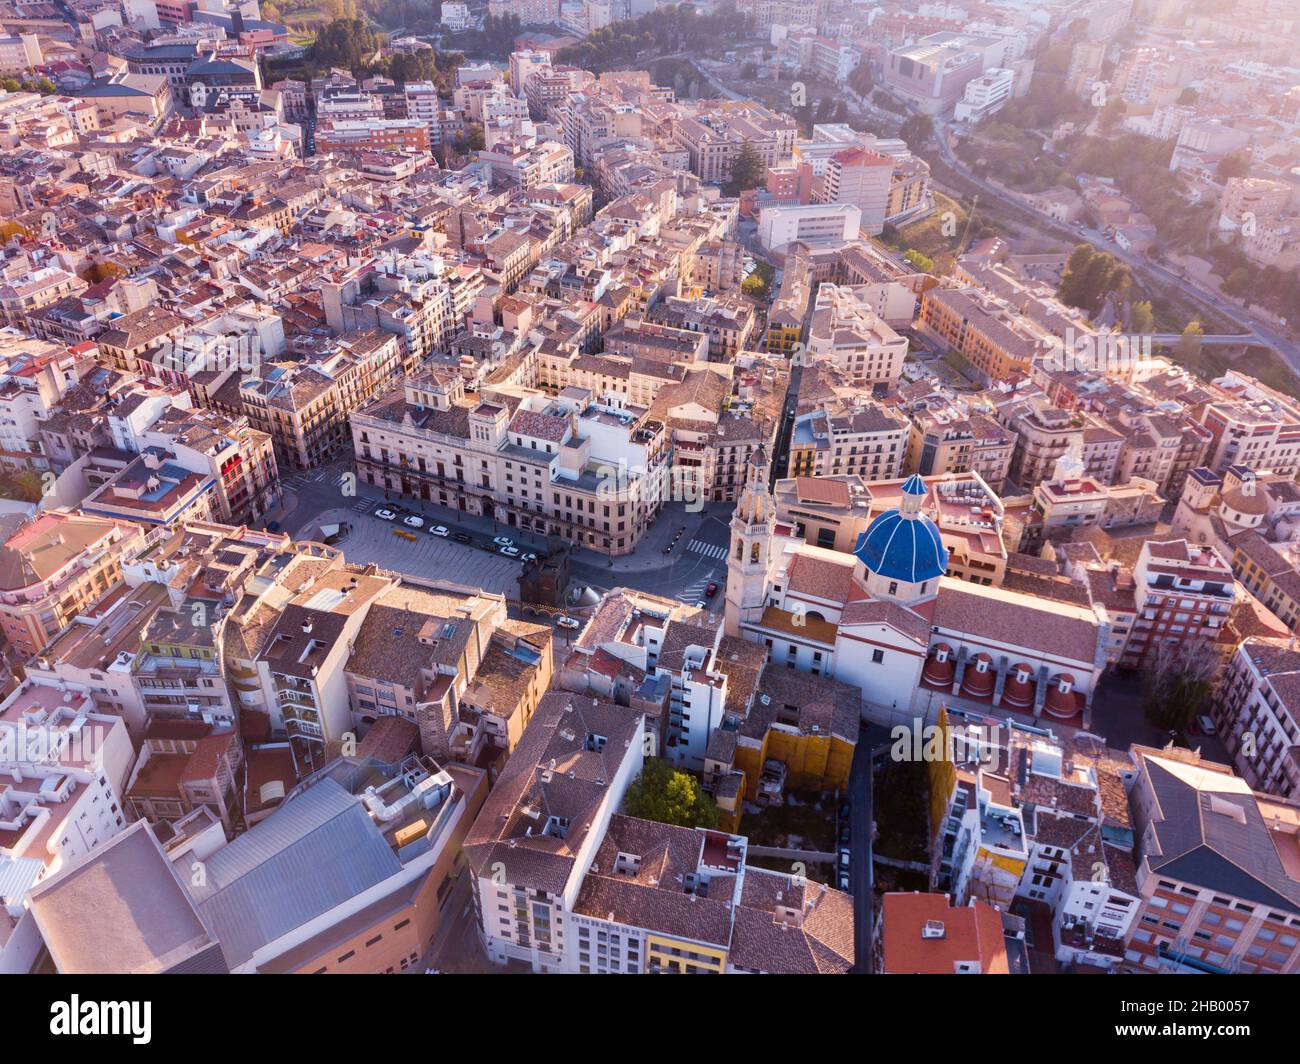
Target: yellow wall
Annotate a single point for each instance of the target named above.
(820, 762)
(657, 947)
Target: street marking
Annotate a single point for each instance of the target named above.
(709, 550)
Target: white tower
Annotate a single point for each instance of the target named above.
(752, 528)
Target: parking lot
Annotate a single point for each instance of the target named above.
(370, 539)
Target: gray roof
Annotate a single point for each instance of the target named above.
(315, 852)
(122, 909)
(1202, 844)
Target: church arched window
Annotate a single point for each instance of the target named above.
(753, 552)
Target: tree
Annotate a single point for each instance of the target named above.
(860, 81)
(1141, 317)
(1230, 166)
(1177, 680)
(669, 796)
(916, 130)
(1114, 110)
(920, 260)
(1090, 277)
(1237, 282)
(1189, 344)
(747, 171)
(749, 71)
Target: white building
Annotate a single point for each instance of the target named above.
(456, 17)
(817, 225)
(985, 95)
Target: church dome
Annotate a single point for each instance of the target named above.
(904, 544)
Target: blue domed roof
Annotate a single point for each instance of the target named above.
(904, 547)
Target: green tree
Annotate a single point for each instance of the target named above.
(1177, 681)
(1230, 166)
(916, 130)
(1189, 344)
(669, 796)
(1237, 282)
(860, 81)
(747, 171)
(920, 260)
(1111, 114)
(1090, 276)
(1141, 317)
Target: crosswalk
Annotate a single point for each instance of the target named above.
(710, 550)
(695, 593)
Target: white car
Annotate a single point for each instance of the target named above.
(385, 514)
(509, 550)
(569, 622)
(503, 541)
(528, 556)
(440, 530)
(701, 605)
(413, 521)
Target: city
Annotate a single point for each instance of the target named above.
(611, 487)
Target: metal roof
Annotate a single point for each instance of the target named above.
(315, 852)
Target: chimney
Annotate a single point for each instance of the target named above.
(933, 929)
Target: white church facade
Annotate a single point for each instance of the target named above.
(888, 620)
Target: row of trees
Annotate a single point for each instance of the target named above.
(664, 31)
(351, 43)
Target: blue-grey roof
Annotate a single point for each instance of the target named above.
(899, 547)
(914, 485)
(17, 874)
(316, 851)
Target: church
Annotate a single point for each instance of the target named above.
(888, 619)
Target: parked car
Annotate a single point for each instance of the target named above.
(711, 590)
(843, 882)
(569, 622)
(412, 521)
(702, 604)
(509, 550)
(528, 556)
(439, 530)
(845, 831)
(503, 541)
(844, 810)
(1206, 725)
(462, 537)
(844, 858)
(385, 514)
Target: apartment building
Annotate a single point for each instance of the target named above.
(52, 566)
(400, 823)
(815, 225)
(1260, 431)
(372, 134)
(1216, 892)
(925, 934)
(995, 341)
(184, 765)
(868, 439)
(63, 765)
(304, 406)
(845, 330)
(566, 466)
(1257, 714)
(565, 883)
(864, 179)
(1183, 594)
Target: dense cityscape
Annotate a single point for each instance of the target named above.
(598, 486)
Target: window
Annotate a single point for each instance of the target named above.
(877, 657)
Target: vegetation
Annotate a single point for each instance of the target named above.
(747, 171)
(920, 260)
(861, 81)
(496, 40)
(1177, 683)
(663, 31)
(25, 485)
(42, 85)
(1189, 344)
(1091, 277)
(669, 796)
(902, 809)
(758, 285)
(916, 130)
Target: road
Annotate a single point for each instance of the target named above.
(1141, 266)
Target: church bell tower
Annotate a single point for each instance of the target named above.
(753, 526)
